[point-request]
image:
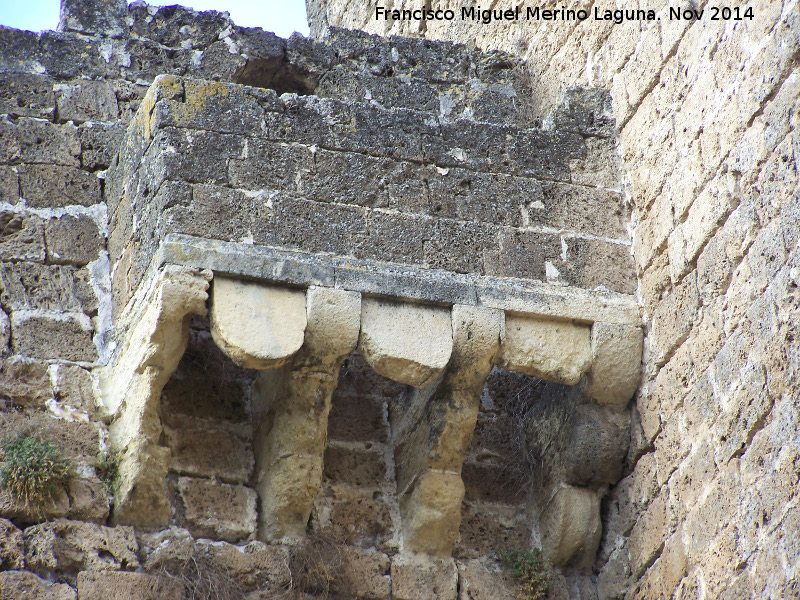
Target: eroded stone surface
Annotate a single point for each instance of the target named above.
(419, 577)
(258, 326)
(15, 585)
(405, 342)
(203, 500)
(570, 527)
(554, 350)
(67, 547)
(616, 363)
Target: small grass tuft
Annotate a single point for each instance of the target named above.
(33, 469)
(531, 571)
(106, 465)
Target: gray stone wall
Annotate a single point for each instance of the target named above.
(707, 114)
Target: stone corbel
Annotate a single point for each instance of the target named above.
(432, 428)
(292, 406)
(156, 333)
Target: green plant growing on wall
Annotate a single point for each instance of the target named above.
(106, 465)
(33, 468)
(531, 570)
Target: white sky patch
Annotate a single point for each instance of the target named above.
(282, 17)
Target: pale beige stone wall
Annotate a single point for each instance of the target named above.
(707, 113)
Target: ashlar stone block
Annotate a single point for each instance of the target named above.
(258, 326)
(405, 342)
(616, 363)
(554, 350)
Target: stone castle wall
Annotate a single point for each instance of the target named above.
(707, 113)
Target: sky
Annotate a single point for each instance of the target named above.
(280, 16)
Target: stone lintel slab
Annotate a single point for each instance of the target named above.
(398, 281)
(258, 326)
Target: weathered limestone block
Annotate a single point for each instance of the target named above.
(131, 385)
(258, 326)
(432, 428)
(218, 510)
(22, 585)
(24, 384)
(431, 513)
(405, 342)
(290, 439)
(483, 580)
(558, 351)
(123, 585)
(229, 458)
(96, 17)
(367, 573)
(420, 577)
(67, 547)
(86, 101)
(12, 546)
(616, 363)
(570, 527)
(253, 566)
(12, 507)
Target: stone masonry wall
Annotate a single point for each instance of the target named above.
(707, 113)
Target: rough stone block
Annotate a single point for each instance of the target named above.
(255, 566)
(355, 418)
(648, 535)
(258, 326)
(67, 547)
(368, 573)
(674, 318)
(96, 17)
(31, 286)
(55, 507)
(66, 338)
(34, 141)
(87, 500)
(209, 452)
(485, 580)
(419, 577)
(74, 388)
(86, 101)
(121, 585)
(485, 527)
(9, 185)
(52, 186)
(12, 546)
(26, 95)
(21, 238)
(405, 342)
(431, 513)
(354, 467)
(359, 518)
(556, 351)
(616, 363)
(24, 384)
(72, 240)
(570, 527)
(21, 585)
(100, 143)
(217, 510)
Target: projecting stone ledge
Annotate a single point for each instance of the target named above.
(397, 281)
